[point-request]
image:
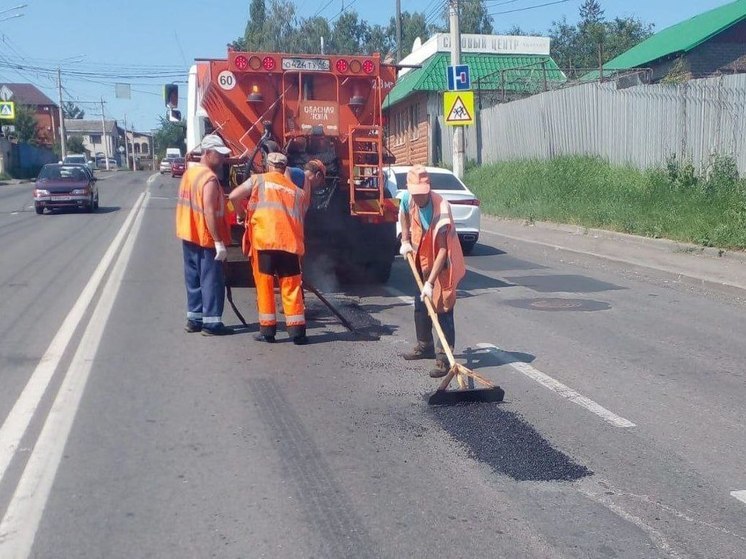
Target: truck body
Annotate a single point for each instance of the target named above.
(311, 107)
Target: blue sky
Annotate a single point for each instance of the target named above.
(93, 43)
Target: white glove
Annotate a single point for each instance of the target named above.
(406, 247)
(427, 291)
(221, 252)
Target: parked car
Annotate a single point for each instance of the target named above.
(464, 204)
(178, 166)
(101, 163)
(65, 186)
(79, 159)
(165, 166)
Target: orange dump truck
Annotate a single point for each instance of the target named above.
(313, 107)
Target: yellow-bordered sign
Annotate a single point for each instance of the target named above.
(7, 110)
(458, 107)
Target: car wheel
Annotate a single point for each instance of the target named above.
(467, 247)
(89, 206)
(95, 204)
(39, 208)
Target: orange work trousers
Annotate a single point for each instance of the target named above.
(266, 265)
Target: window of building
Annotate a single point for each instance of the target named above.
(414, 122)
(95, 138)
(144, 148)
(137, 148)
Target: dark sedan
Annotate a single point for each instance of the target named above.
(65, 186)
(178, 166)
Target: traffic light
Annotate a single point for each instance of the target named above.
(171, 95)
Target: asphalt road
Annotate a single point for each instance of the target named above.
(622, 434)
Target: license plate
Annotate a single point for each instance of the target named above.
(307, 64)
(61, 198)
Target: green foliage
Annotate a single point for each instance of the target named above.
(71, 110)
(26, 126)
(671, 202)
(169, 135)
(74, 144)
(348, 34)
(577, 46)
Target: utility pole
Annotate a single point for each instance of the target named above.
(398, 30)
(134, 165)
(126, 144)
(103, 135)
(63, 135)
(458, 131)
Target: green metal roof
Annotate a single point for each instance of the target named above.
(681, 37)
(488, 71)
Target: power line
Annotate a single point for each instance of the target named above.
(529, 7)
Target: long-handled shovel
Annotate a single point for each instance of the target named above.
(442, 396)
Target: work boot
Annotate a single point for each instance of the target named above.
(264, 338)
(219, 330)
(192, 326)
(300, 340)
(440, 369)
(420, 351)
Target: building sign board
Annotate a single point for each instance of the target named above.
(496, 44)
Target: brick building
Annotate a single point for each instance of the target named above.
(501, 67)
(710, 44)
(45, 110)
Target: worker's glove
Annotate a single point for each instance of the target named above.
(406, 248)
(427, 291)
(220, 252)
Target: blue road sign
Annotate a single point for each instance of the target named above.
(458, 78)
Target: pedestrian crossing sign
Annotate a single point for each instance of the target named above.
(458, 107)
(7, 110)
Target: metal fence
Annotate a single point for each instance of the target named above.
(642, 125)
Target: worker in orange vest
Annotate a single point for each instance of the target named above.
(275, 217)
(428, 231)
(201, 226)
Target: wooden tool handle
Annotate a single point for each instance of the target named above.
(432, 313)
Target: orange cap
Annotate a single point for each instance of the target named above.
(418, 181)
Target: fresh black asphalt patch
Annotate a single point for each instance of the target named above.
(504, 441)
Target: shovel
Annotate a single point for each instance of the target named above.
(442, 396)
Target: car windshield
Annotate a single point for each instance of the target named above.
(60, 173)
(179, 160)
(438, 181)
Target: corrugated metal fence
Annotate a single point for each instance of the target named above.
(642, 125)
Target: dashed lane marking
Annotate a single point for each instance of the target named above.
(740, 495)
(152, 178)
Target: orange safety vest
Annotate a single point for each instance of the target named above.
(191, 224)
(423, 242)
(277, 208)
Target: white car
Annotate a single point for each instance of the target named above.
(464, 204)
(79, 159)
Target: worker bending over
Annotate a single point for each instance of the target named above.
(428, 231)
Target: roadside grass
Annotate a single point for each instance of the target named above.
(669, 203)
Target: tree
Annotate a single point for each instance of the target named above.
(71, 110)
(590, 13)
(25, 124)
(564, 43)
(380, 41)
(75, 144)
(474, 18)
(307, 39)
(412, 26)
(254, 37)
(169, 135)
(350, 35)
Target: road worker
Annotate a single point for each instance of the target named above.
(275, 217)
(201, 226)
(429, 233)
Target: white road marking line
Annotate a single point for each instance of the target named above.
(403, 297)
(18, 527)
(15, 425)
(152, 178)
(554, 385)
(740, 495)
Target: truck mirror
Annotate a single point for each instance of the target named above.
(171, 95)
